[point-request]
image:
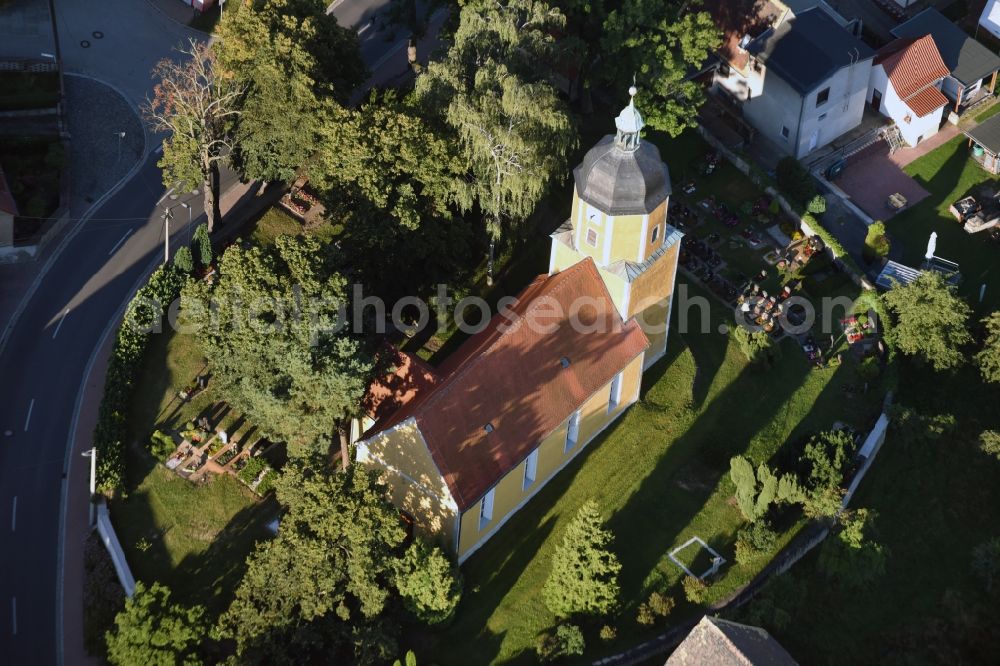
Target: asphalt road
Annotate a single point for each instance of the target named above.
(44, 359)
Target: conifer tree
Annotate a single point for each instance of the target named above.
(584, 577)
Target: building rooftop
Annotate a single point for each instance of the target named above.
(967, 60)
(723, 643)
(914, 66)
(741, 18)
(807, 49)
(511, 377)
(987, 134)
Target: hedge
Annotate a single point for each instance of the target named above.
(164, 286)
(839, 252)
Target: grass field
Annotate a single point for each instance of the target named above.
(949, 174)
(660, 477)
(932, 500)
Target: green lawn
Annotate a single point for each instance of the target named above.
(993, 109)
(935, 503)
(276, 222)
(949, 174)
(660, 477)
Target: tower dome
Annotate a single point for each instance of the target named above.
(623, 175)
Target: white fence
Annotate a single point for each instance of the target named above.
(110, 540)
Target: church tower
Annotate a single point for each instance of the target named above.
(619, 219)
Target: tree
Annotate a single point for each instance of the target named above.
(197, 109)
(989, 443)
(853, 557)
(986, 561)
(201, 246)
(817, 205)
(183, 260)
(757, 346)
(584, 576)
(876, 242)
(152, 630)
(988, 357)
(756, 492)
(929, 321)
(337, 555)
(513, 130)
(565, 641)
(278, 342)
(795, 180)
(754, 540)
(827, 455)
(295, 64)
(660, 43)
(428, 583)
(394, 182)
(916, 428)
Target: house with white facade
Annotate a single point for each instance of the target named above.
(805, 81)
(905, 86)
(972, 67)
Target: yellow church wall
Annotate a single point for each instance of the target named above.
(415, 484)
(510, 493)
(650, 298)
(627, 238)
(657, 218)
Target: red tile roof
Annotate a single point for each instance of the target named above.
(926, 101)
(410, 377)
(736, 18)
(510, 376)
(7, 204)
(913, 66)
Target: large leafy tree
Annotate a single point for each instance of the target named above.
(584, 576)
(988, 357)
(338, 556)
(396, 185)
(492, 88)
(930, 321)
(661, 44)
(197, 108)
(852, 556)
(151, 630)
(277, 340)
(295, 63)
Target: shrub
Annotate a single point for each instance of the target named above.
(429, 583)
(817, 205)
(795, 181)
(183, 260)
(161, 444)
(645, 615)
(754, 540)
(876, 242)
(757, 346)
(140, 319)
(565, 641)
(695, 589)
(989, 443)
(608, 633)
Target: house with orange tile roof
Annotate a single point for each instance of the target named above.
(905, 86)
(464, 446)
(8, 211)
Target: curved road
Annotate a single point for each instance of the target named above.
(61, 325)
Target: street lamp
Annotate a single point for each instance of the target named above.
(168, 214)
(121, 135)
(92, 454)
(188, 206)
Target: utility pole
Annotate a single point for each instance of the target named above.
(167, 216)
(92, 454)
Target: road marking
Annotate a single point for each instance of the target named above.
(362, 30)
(13, 614)
(27, 419)
(165, 195)
(120, 241)
(59, 325)
(13, 515)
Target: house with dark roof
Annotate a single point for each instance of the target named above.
(972, 67)
(805, 80)
(463, 446)
(723, 643)
(984, 142)
(8, 211)
(905, 86)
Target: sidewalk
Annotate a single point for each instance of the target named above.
(904, 156)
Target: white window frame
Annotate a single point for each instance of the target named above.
(572, 431)
(530, 470)
(486, 509)
(615, 396)
(586, 237)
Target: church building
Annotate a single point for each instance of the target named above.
(465, 445)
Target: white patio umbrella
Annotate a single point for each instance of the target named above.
(931, 246)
